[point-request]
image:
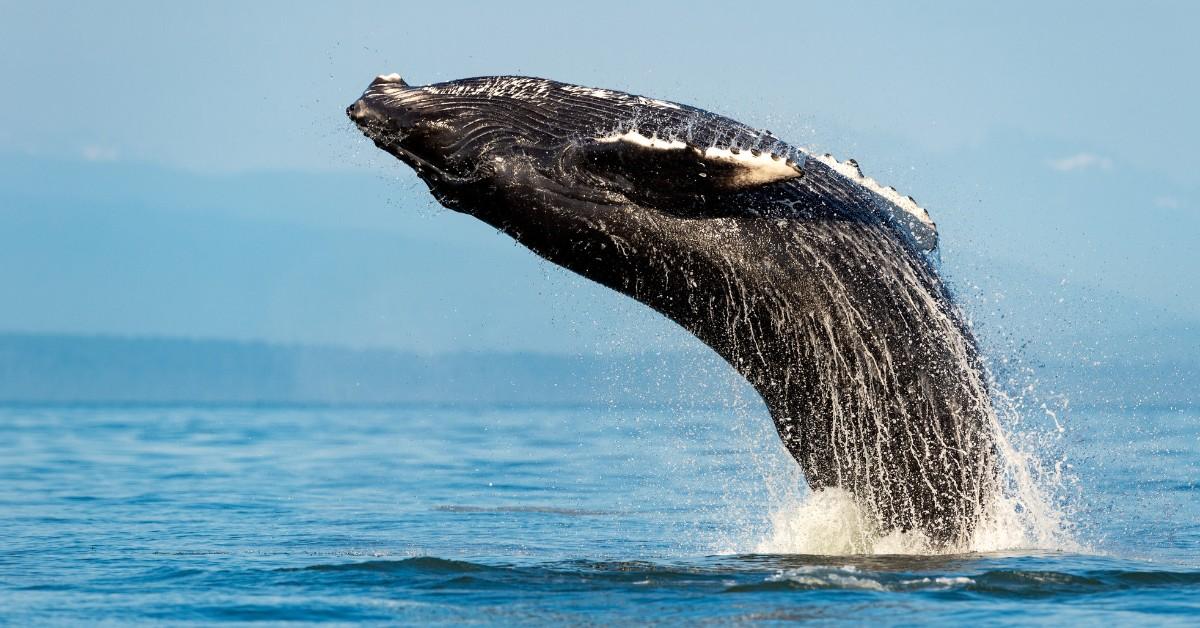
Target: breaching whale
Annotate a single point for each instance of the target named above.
(814, 282)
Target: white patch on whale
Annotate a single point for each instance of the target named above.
(607, 94)
(634, 137)
(657, 103)
(748, 169)
(912, 216)
(594, 92)
(497, 87)
(754, 169)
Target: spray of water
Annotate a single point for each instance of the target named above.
(1023, 514)
(1027, 507)
(1003, 478)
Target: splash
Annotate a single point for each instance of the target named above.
(830, 522)
(1025, 511)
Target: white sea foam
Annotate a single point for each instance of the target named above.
(850, 577)
(830, 522)
(847, 577)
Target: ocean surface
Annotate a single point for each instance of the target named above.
(448, 515)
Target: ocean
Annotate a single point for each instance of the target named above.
(429, 514)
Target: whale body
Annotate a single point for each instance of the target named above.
(814, 282)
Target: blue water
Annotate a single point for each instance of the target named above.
(535, 515)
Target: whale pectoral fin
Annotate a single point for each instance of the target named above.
(672, 168)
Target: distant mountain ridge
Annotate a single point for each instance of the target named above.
(365, 259)
(357, 258)
(106, 369)
(67, 369)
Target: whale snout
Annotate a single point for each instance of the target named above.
(371, 114)
(386, 101)
(358, 111)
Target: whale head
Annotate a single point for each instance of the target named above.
(473, 139)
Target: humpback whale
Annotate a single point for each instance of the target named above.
(814, 282)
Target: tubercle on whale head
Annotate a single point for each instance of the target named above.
(399, 119)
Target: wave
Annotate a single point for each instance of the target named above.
(767, 574)
(548, 510)
(418, 564)
(1003, 582)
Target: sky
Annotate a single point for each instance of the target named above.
(186, 169)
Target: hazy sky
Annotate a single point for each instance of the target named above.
(229, 86)
(1056, 137)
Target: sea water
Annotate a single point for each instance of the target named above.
(445, 514)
